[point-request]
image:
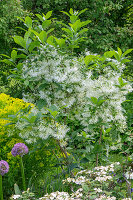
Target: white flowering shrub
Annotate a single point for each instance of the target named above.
(63, 81)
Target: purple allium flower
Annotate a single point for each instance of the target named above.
(131, 190)
(4, 167)
(19, 149)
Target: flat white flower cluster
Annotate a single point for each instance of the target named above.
(127, 199)
(79, 180)
(98, 190)
(100, 174)
(105, 197)
(63, 196)
(129, 175)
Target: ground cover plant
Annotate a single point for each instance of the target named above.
(76, 114)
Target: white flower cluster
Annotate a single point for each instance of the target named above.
(104, 178)
(56, 195)
(63, 196)
(129, 175)
(98, 190)
(17, 196)
(127, 199)
(100, 174)
(79, 180)
(105, 197)
(61, 80)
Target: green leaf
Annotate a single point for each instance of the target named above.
(108, 130)
(116, 55)
(28, 22)
(82, 31)
(85, 23)
(50, 30)
(20, 18)
(125, 60)
(71, 11)
(27, 35)
(94, 100)
(46, 24)
(120, 80)
(48, 15)
(6, 61)
(119, 51)
(65, 13)
(100, 102)
(85, 187)
(91, 58)
(84, 134)
(60, 42)
(40, 17)
(26, 82)
(84, 160)
(21, 56)
(53, 108)
(5, 55)
(73, 19)
(68, 31)
(98, 148)
(54, 114)
(50, 41)
(82, 11)
(122, 84)
(14, 55)
(19, 66)
(109, 54)
(127, 52)
(36, 33)
(41, 103)
(33, 45)
(32, 119)
(76, 26)
(17, 190)
(43, 36)
(20, 41)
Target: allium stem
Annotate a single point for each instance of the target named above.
(1, 192)
(22, 173)
(99, 144)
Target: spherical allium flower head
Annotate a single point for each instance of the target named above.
(4, 167)
(19, 149)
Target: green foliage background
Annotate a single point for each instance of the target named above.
(111, 24)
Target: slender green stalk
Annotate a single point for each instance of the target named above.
(1, 192)
(22, 173)
(99, 144)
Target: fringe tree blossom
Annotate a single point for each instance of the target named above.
(60, 80)
(42, 129)
(4, 167)
(19, 149)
